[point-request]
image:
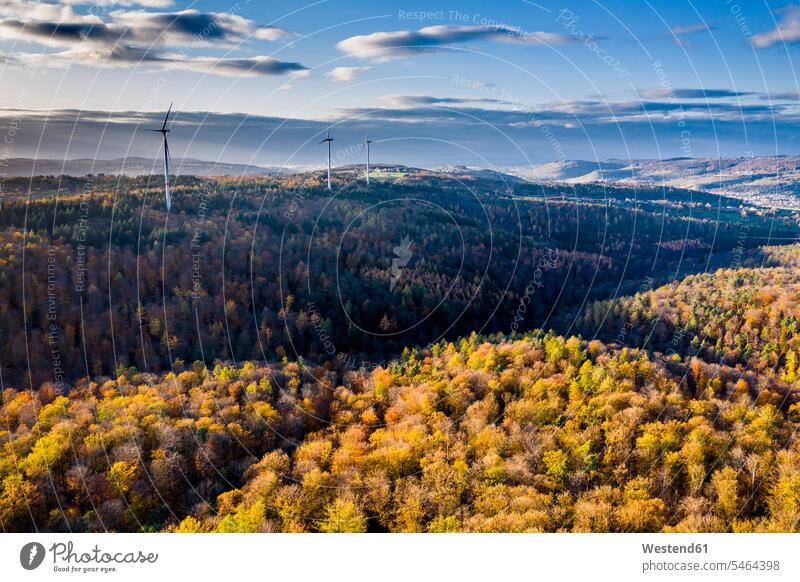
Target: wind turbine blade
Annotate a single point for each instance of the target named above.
(166, 174)
(163, 127)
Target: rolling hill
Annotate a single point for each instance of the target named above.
(528, 433)
(765, 181)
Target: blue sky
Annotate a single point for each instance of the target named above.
(481, 83)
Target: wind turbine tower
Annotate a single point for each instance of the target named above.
(164, 131)
(328, 139)
(367, 141)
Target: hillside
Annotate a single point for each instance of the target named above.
(531, 434)
(746, 317)
(271, 357)
(276, 266)
(129, 166)
(772, 181)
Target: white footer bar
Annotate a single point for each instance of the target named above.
(400, 557)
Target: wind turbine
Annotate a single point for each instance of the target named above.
(367, 141)
(328, 139)
(164, 131)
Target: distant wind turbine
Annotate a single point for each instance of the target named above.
(328, 139)
(367, 141)
(164, 131)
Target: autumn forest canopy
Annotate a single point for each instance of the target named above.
(434, 353)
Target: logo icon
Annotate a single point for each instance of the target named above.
(403, 254)
(31, 555)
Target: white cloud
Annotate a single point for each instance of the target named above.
(176, 28)
(662, 93)
(131, 38)
(428, 100)
(63, 11)
(677, 33)
(125, 57)
(388, 45)
(35, 10)
(271, 33)
(690, 29)
(787, 31)
(345, 74)
(145, 3)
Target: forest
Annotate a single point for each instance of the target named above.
(532, 433)
(437, 354)
(96, 276)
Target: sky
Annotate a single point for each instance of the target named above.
(487, 84)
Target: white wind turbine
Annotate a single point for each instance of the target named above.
(328, 139)
(367, 141)
(164, 131)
